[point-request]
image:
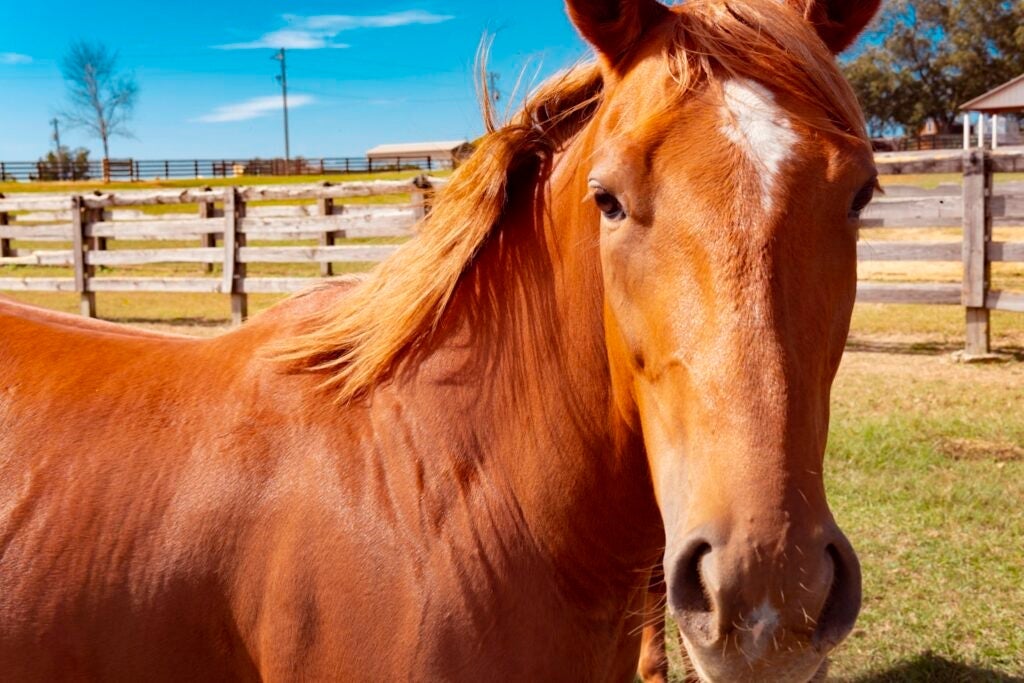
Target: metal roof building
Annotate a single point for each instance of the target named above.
(443, 153)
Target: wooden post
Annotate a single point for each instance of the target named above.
(326, 208)
(995, 131)
(977, 236)
(967, 131)
(422, 199)
(234, 239)
(79, 225)
(206, 210)
(95, 243)
(5, 243)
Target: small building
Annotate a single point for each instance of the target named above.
(428, 155)
(1003, 105)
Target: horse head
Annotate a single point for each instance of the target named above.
(727, 165)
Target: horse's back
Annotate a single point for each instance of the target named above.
(133, 466)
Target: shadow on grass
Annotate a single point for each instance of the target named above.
(919, 348)
(932, 668)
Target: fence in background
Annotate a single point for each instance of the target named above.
(975, 206)
(227, 215)
(918, 143)
(139, 169)
(87, 221)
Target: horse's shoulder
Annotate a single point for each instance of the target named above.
(292, 315)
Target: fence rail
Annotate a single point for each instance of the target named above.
(231, 222)
(144, 169)
(225, 215)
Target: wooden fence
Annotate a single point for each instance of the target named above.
(88, 221)
(240, 218)
(975, 206)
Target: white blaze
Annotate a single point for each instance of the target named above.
(756, 124)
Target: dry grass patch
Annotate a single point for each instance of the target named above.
(982, 450)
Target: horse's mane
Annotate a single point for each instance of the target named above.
(359, 339)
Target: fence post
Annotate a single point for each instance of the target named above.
(93, 216)
(424, 198)
(234, 270)
(5, 242)
(977, 237)
(79, 225)
(325, 207)
(209, 239)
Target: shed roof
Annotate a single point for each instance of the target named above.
(417, 148)
(1009, 97)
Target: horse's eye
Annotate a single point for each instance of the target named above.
(863, 198)
(609, 205)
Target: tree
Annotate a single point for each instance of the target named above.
(100, 99)
(924, 58)
(65, 164)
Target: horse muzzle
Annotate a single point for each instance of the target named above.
(756, 610)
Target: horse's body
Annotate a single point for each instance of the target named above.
(478, 503)
(227, 525)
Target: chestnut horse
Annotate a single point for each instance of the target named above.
(610, 348)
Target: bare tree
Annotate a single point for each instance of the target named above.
(100, 99)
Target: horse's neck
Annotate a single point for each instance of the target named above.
(524, 364)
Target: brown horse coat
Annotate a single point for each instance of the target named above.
(467, 466)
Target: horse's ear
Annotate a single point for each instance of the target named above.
(613, 27)
(838, 22)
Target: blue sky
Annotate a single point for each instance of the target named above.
(368, 73)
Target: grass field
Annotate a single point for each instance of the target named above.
(90, 185)
(925, 472)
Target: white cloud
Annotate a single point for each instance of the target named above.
(318, 32)
(14, 58)
(253, 109)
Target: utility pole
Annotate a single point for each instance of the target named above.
(283, 80)
(492, 78)
(56, 140)
(56, 133)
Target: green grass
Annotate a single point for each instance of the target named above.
(926, 475)
(90, 185)
(70, 187)
(933, 180)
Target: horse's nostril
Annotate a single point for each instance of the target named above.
(688, 594)
(843, 603)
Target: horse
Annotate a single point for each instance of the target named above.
(606, 358)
